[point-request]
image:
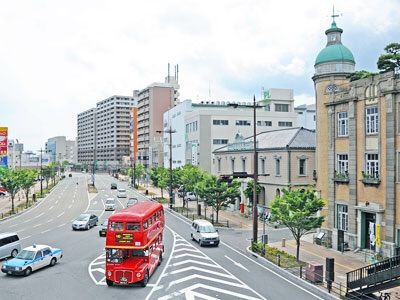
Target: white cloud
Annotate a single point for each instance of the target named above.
(58, 58)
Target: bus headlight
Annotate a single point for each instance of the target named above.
(109, 273)
(138, 274)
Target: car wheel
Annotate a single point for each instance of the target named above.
(87, 227)
(145, 280)
(191, 235)
(28, 271)
(53, 261)
(200, 243)
(109, 282)
(14, 253)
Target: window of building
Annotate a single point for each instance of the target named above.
(285, 124)
(219, 165)
(302, 166)
(243, 164)
(233, 165)
(277, 167)
(342, 163)
(243, 123)
(282, 107)
(220, 141)
(220, 122)
(372, 165)
(264, 123)
(342, 217)
(342, 124)
(263, 166)
(371, 120)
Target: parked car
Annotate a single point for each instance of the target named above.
(9, 245)
(110, 204)
(121, 193)
(3, 192)
(204, 233)
(85, 221)
(131, 201)
(190, 196)
(103, 228)
(31, 259)
(113, 186)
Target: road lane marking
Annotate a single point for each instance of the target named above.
(57, 202)
(38, 215)
(27, 237)
(61, 225)
(69, 206)
(44, 231)
(51, 207)
(49, 220)
(37, 225)
(20, 230)
(60, 215)
(236, 263)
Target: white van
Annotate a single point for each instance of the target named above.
(121, 193)
(9, 245)
(110, 204)
(204, 233)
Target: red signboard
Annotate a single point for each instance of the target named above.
(3, 146)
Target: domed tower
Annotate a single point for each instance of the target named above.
(332, 66)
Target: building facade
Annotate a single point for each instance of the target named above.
(211, 125)
(104, 132)
(152, 102)
(60, 149)
(286, 159)
(306, 116)
(358, 146)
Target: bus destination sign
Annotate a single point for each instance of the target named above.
(124, 237)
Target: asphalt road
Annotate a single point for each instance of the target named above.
(187, 272)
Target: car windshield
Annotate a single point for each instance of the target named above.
(26, 255)
(83, 218)
(207, 229)
(109, 201)
(121, 191)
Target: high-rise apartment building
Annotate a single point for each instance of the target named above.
(103, 132)
(153, 101)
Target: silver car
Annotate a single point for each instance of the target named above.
(9, 245)
(110, 204)
(85, 222)
(131, 201)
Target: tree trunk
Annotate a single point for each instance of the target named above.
(47, 183)
(297, 249)
(217, 211)
(162, 193)
(12, 203)
(27, 197)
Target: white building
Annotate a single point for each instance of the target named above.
(86, 137)
(207, 126)
(306, 116)
(61, 149)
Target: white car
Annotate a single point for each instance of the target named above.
(110, 204)
(121, 193)
(204, 233)
(32, 258)
(190, 196)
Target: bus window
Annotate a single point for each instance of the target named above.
(116, 255)
(133, 226)
(145, 225)
(116, 226)
(138, 253)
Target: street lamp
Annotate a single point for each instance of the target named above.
(255, 166)
(170, 131)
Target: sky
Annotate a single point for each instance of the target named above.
(58, 58)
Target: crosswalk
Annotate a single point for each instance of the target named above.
(191, 274)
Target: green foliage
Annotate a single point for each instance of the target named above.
(360, 75)
(160, 178)
(390, 60)
(249, 190)
(297, 210)
(190, 175)
(11, 180)
(27, 181)
(217, 193)
(140, 172)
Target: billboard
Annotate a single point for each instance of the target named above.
(3, 146)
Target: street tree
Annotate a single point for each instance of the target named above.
(390, 60)
(217, 193)
(11, 180)
(47, 172)
(159, 177)
(297, 210)
(28, 177)
(190, 176)
(248, 191)
(360, 75)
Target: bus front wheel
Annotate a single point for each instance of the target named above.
(145, 280)
(109, 282)
(160, 259)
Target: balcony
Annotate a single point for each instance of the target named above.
(369, 179)
(341, 177)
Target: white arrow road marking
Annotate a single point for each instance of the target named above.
(196, 276)
(94, 202)
(237, 264)
(187, 249)
(190, 295)
(190, 261)
(99, 270)
(200, 285)
(192, 255)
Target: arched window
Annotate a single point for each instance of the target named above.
(278, 192)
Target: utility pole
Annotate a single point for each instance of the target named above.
(170, 131)
(94, 164)
(255, 175)
(41, 172)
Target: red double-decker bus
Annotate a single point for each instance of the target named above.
(134, 243)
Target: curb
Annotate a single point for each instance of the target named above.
(311, 286)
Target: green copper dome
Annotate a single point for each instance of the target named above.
(335, 52)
